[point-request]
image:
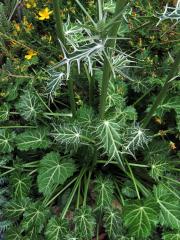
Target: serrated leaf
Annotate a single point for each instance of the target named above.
(68, 135)
(16, 208)
(140, 218)
(6, 141)
(85, 223)
(168, 104)
(33, 139)
(21, 185)
(35, 217)
(109, 136)
(13, 234)
(29, 106)
(171, 235)
(54, 170)
(170, 207)
(56, 229)
(104, 192)
(112, 223)
(4, 225)
(4, 112)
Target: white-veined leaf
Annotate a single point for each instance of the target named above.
(34, 217)
(54, 170)
(4, 112)
(13, 234)
(21, 184)
(113, 223)
(33, 139)
(140, 218)
(29, 106)
(16, 208)
(108, 133)
(6, 140)
(85, 223)
(56, 229)
(170, 207)
(171, 235)
(104, 192)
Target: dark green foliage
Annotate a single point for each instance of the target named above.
(89, 129)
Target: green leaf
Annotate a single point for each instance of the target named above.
(68, 135)
(56, 229)
(13, 234)
(29, 106)
(113, 223)
(54, 170)
(6, 141)
(129, 190)
(170, 207)
(104, 192)
(85, 223)
(110, 139)
(4, 112)
(140, 218)
(33, 139)
(171, 235)
(16, 208)
(4, 225)
(169, 104)
(21, 185)
(35, 217)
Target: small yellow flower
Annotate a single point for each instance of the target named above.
(44, 14)
(30, 3)
(30, 54)
(172, 145)
(17, 27)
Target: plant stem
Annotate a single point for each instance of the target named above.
(91, 86)
(100, 4)
(59, 25)
(107, 69)
(60, 35)
(76, 185)
(163, 92)
(86, 187)
(62, 190)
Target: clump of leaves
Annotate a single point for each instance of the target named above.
(88, 142)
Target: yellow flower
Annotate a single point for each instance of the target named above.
(44, 14)
(17, 27)
(30, 54)
(29, 26)
(30, 3)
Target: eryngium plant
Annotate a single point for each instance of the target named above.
(84, 172)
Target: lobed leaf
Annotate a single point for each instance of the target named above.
(140, 218)
(112, 223)
(35, 217)
(6, 141)
(33, 139)
(56, 229)
(85, 223)
(53, 170)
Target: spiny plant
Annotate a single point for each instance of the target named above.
(98, 169)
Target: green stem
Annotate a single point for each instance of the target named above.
(163, 92)
(86, 187)
(91, 86)
(76, 185)
(59, 24)
(107, 68)
(62, 190)
(60, 35)
(100, 6)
